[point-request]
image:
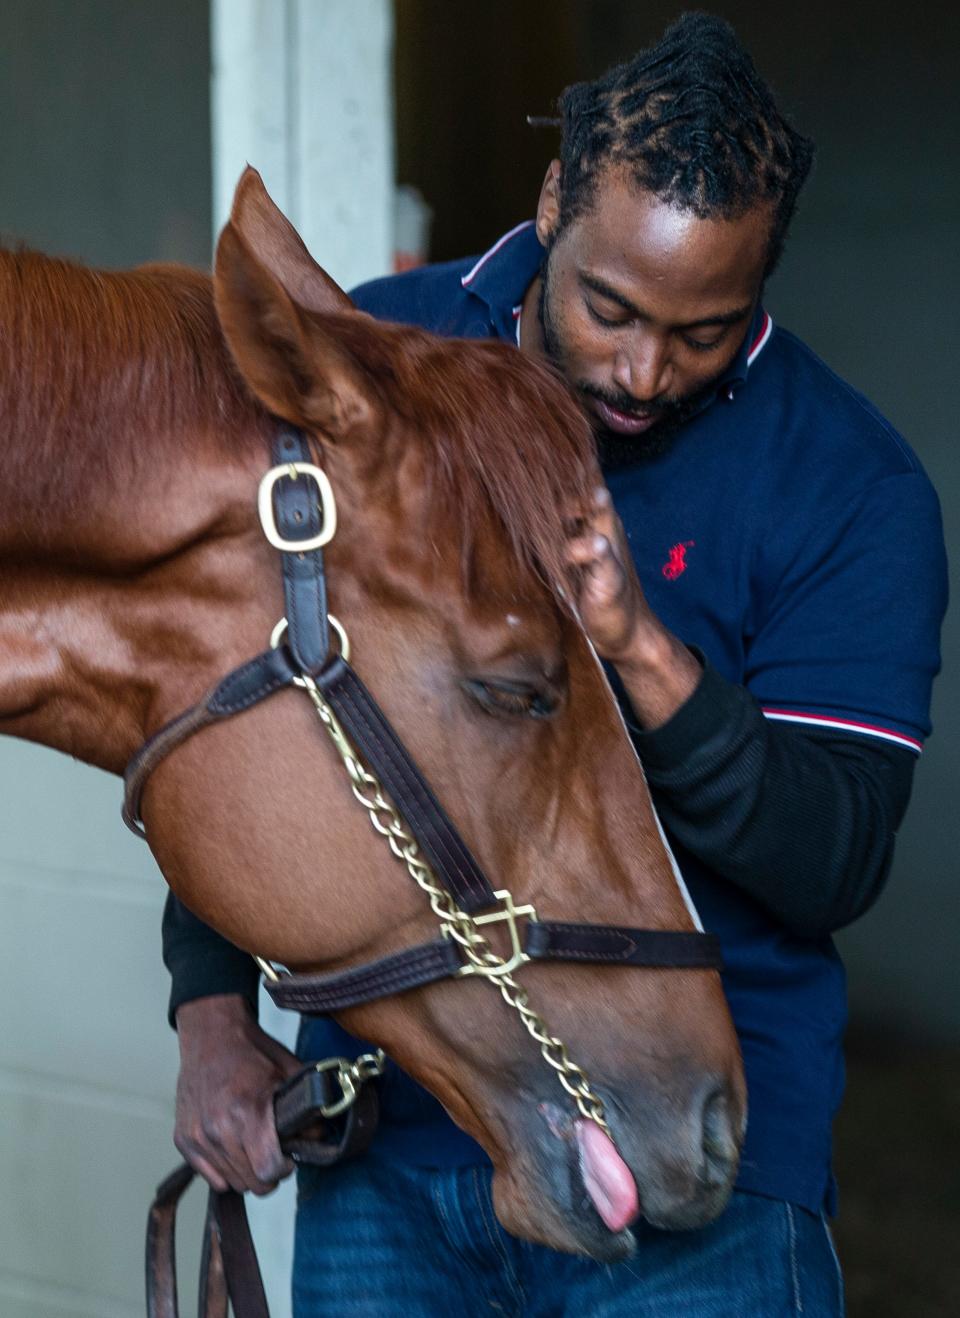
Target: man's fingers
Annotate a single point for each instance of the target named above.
(235, 1154)
(204, 1169)
(604, 519)
(264, 1155)
(591, 550)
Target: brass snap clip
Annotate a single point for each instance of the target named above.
(350, 1076)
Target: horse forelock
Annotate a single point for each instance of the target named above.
(503, 438)
(102, 373)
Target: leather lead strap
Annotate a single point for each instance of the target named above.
(241, 1270)
(228, 1264)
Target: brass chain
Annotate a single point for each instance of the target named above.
(456, 923)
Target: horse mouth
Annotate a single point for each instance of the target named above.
(606, 1177)
(581, 1196)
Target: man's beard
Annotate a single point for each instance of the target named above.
(613, 448)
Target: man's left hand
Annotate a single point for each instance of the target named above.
(658, 671)
(609, 597)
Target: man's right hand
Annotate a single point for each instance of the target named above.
(229, 1071)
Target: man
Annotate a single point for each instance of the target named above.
(768, 592)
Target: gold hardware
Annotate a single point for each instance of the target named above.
(327, 505)
(269, 971)
(350, 1075)
(509, 914)
(277, 635)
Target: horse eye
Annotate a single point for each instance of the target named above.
(511, 699)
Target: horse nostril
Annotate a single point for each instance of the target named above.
(719, 1140)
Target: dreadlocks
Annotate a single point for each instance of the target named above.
(696, 124)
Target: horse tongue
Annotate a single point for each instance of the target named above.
(607, 1177)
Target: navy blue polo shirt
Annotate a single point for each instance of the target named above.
(792, 535)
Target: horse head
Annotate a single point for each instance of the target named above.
(457, 468)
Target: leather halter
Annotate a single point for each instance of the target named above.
(295, 518)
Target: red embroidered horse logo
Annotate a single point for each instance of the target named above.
(676, 564)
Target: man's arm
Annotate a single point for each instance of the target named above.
(804, 822)
(229, 1067)
(202, 963)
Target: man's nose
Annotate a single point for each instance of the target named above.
(642, 368)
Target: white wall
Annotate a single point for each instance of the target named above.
(302, 91)
(105, 151)
(87, 1065)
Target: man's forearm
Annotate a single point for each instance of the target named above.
(659, 675)
(803, 821)
(201, 962)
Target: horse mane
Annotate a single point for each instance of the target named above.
(503, 435)
(137, 359)
(102, 372)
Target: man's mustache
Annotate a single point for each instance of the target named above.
(629, 406)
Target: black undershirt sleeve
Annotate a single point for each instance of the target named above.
(802, 819)
(202, 962)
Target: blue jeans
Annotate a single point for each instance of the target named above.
(378, 1239)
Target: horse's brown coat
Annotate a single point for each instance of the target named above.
(134, 574)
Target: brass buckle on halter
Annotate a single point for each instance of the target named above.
(508, 915)
(328, 507)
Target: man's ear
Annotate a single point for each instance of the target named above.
(548, 207)
(289, 359)
(276, 244)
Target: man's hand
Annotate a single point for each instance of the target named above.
(610, 599)
(658, 671)
(229, 1070)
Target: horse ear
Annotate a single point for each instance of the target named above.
(275, 242)
(290, 360)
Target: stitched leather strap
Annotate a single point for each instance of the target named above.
(317, 995)
(368, 729)
(298, 517)
(242, 688)
(617, 945)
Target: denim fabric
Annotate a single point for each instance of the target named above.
(378, 1239)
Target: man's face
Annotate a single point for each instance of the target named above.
(643, 307)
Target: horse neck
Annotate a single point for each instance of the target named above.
(130, 457)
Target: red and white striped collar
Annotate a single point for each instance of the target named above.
(760, 338)
(468, 279)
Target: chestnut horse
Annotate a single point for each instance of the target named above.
(136, 413)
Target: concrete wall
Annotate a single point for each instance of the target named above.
(105, 155)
